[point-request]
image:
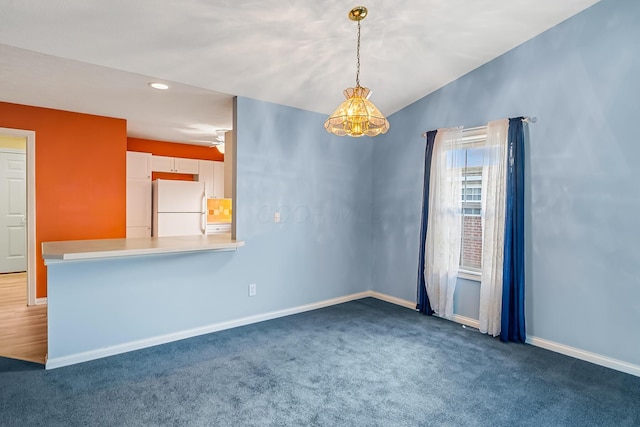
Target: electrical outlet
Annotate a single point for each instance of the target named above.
(276, 217)
(252, 289)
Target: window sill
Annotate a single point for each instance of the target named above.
(469, 275)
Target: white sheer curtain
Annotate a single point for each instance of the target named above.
(494, 183)
(444, 229)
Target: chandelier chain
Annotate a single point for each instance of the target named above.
(358, 58)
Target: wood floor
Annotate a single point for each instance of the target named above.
(23, 330)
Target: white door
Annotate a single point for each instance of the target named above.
(13, 212)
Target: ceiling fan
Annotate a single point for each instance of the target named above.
(218, 140)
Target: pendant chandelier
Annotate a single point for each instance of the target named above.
(357, 115)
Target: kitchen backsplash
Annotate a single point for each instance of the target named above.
(218, 210)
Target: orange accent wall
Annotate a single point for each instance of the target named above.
(173, 149)
(80, 175)
(171, 175)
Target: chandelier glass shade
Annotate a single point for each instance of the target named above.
(357, 116)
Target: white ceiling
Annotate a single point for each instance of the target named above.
(97, 56)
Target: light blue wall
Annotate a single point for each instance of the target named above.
(581, 79)
(320, 250)
(322, 188)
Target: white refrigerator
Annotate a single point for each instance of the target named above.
(179, 208)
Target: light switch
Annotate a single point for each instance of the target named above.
(276, 217)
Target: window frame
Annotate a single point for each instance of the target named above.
(471, 138)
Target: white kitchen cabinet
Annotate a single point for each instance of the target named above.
(174, 165)
(138, 194)
(162, 164)
(218, 180)
(212, 173)
(205, 174)
(219, 228)
(186, 165)
(133, 232)
(138, 165)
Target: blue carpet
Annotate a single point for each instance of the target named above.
(362, 363)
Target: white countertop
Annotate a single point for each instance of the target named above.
(77, 250)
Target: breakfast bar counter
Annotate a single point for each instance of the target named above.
(111, 296)
(78, 250)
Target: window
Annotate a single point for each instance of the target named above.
(472, 193)
(471, 247)
(471, 211)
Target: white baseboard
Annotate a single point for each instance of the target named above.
(576, 353)
(72, 359)
(58, 362)
(392, 300)
(467, 321)
(41, 301)
(412, 305)
(587, 356)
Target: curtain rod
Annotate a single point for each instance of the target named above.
(524, 119)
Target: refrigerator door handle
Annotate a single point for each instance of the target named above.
(203, 222)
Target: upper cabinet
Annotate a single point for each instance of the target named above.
(174, 165)
(138, 165)
(185, 165)
(212, 173)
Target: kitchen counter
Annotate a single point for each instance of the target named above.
(110, 296)
(78, 250)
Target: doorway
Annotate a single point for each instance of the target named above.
(13, 209)
(17, 210)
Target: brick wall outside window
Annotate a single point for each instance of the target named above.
(471, 254)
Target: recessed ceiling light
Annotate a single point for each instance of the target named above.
(160, 86)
